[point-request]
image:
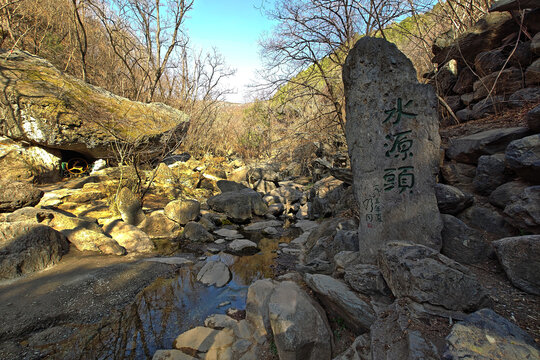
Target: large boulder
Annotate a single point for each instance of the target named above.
(205, 340)
(489, 105)
(520, 258)
(458, 174)
(535, 44)
(299, 324)
(242, 247)
(58, 220)
(465, 81)
(196, 232)
(130, 207)
(341, 302)
(366, 279)
(28, 247)
(462, 243)
(523, 156)
(261, 225)
(488, 220)
(56, 110)
(394, 143)
(452, 200)
(214, 273)
(487, 335)
(20, 161)
(182, 211)
(239, 206)
(524, 210)
(18, 194)
(257, 300)
(288, 193)
(90, 240)
(426, 276)
(84, 233)
(501, 196)
(321, 244)
(228, 186)
(469, 148)
(128, 236)
(325, 197)
(529, 95)
(172, 354)
(157, 225)
(490, 173)
(445, 77)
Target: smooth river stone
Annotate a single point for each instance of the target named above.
(393, 139)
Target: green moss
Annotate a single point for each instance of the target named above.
(52, 96)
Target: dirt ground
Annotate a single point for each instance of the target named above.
(505, 119)
(82, 289)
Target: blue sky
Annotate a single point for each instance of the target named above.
(234, 28)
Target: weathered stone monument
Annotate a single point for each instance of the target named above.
(393, 139)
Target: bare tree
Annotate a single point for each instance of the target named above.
(160, 24)
(200, 92)
(80, 32)
(307, 49)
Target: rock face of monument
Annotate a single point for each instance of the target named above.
(393, 139)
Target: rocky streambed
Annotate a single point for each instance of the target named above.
(80, 281)
(102, 306)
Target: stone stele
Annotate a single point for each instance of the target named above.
(393, 138)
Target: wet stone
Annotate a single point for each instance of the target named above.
(214, 273)
(393, 139)
(242, 247)
(228, 233)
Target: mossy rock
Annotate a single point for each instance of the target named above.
(44, 106)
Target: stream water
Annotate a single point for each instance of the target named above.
(169, 307)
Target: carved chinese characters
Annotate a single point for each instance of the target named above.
(393, 139)
(400, 146)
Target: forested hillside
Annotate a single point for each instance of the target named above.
(141, 50)
(304, 70)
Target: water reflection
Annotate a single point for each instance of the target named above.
(167, 308)
(247, 269)
(160, 313)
